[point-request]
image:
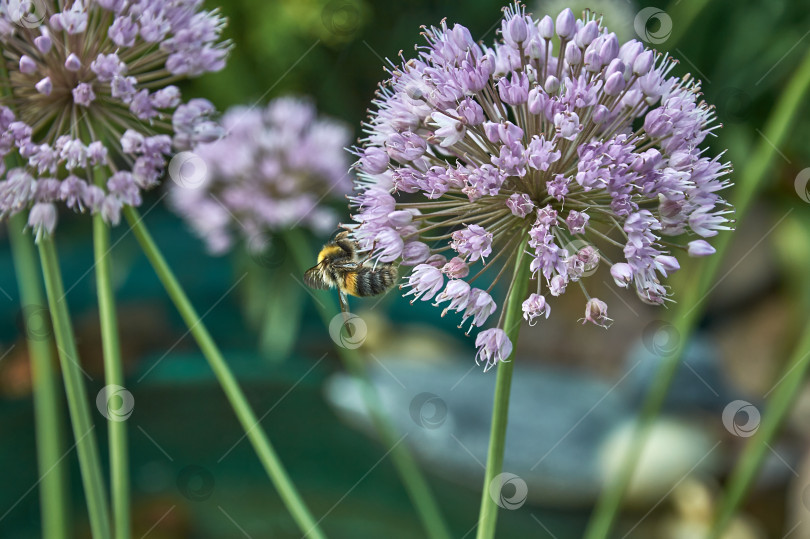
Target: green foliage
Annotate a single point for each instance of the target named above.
(333, 50)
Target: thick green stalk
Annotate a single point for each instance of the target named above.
(89, 462)
(49, 431)
(113, 375)
(757, 447)
(753, 173)
(253, 429)
(411, 476)
(53, 498)
(488, 516)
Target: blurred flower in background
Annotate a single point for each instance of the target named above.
(584, 154)
(275, 168)
(90, 86)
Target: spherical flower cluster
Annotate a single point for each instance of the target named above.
(273, 169)
(88, 100)
(581, 155)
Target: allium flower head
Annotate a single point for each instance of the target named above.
(89, 85)
(274, 168)
(582, 155)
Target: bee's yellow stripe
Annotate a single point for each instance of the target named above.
(328, 250)
(350, 284)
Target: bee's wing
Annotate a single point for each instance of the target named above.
(347, 266)
(314, 279)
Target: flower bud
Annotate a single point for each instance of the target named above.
(630, 51)
(609, 49)
(600, 114)
(537, 100)
(643, 63)
(615, 66)
(43, 43)
(536, 50)
(614, 84)
(72, 63)
(587, 34)
(27, 65)
(573, 54)
(592, 61)
(700, 248)
(44, 86)
(414, 252)
(516, 29)
(456, 268)
(566, 24)
(546, 27)
(552, 85)
(400, 218)
(622, 274)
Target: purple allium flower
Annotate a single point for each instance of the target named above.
(520, 204)
(577, 150)
(456, 268)
(534, 307)
(596, 313)
(425, 282)
(86, 78)
(493, 347)
(457, 292)
(274, 168)
(622, 274)
(472, 242)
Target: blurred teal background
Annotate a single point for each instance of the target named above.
(744, 51)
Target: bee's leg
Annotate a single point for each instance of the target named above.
(369, 255)
(344, 309)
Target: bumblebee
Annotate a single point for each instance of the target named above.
(340, 266)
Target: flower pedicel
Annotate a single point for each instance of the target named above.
(474, 153)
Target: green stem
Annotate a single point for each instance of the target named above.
(253, 430)
(757, 447)
(776, 130)
(76, 393)
(411, 476)
(54, 506)
(281, 321)
(113, 376)
(609, 502)
(488, 516)
(50, 434)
